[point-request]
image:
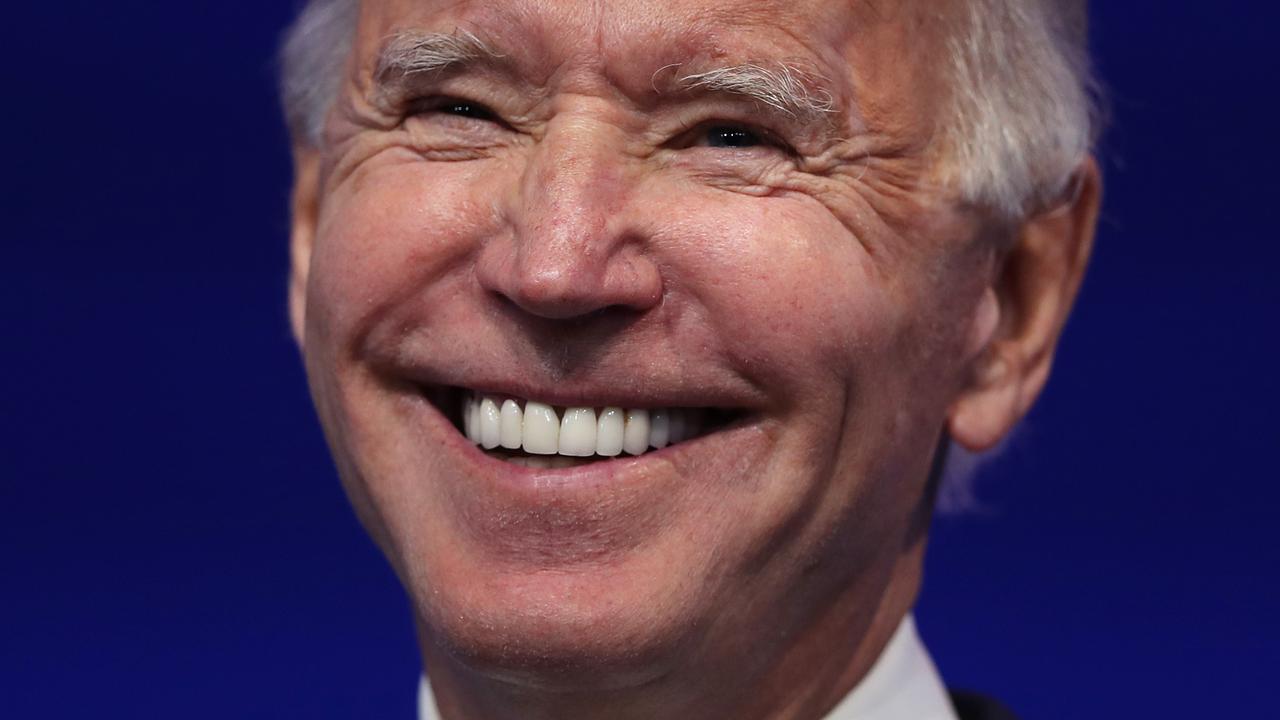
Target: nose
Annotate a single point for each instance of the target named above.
(577, 241)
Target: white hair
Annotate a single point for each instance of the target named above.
(1020, 123)
(315, 52)
(1022, 115)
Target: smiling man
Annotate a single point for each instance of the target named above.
(639, 330)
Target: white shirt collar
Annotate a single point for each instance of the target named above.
(903, 684)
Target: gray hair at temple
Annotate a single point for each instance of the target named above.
(1022, 115)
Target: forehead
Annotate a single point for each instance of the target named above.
(868, 48)
(610, 24)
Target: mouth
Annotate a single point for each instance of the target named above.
(542, 435)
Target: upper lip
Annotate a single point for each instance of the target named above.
(594, 394)
(614, 389)
(649, 372)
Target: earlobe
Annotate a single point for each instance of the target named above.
(305, 210)
(1035, 287)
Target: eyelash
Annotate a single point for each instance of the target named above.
(733, 131)
(455, 107)
(751, 136)
(463, 108)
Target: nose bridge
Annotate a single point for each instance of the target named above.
(570, 191)
(574, 249)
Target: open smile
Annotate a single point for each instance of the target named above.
(543, 435)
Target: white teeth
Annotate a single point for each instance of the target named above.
(659, 429)
(610, 430)
(578, 432)
(541, 429)
(490, 424)
(635, 438)
(512, 425)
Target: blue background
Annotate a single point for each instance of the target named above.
(173, 541)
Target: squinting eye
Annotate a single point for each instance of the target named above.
(453, 107)
(733, 136)
(462, 108)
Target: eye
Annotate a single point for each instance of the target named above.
(452, 107)
(729, 135)
(733, 136)
(463, 108)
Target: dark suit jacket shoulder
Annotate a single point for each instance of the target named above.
(972, 706)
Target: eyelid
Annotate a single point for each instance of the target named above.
(435, 103)
(768, 136)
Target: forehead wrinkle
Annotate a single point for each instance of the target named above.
(735, 55)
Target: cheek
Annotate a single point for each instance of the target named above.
(790, 291)
(390, 231)
(847, 332)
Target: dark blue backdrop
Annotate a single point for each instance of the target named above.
(173, 541)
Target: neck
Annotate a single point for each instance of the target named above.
(803, 679)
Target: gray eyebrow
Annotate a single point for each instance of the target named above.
(412, 53)
(797, 93)
(783, 87)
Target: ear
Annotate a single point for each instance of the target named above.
(1032, 292)
(305, 216)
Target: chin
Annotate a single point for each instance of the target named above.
(604, 628)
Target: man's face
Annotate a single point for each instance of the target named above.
(574, 222)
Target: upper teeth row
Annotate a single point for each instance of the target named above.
(539, 430)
